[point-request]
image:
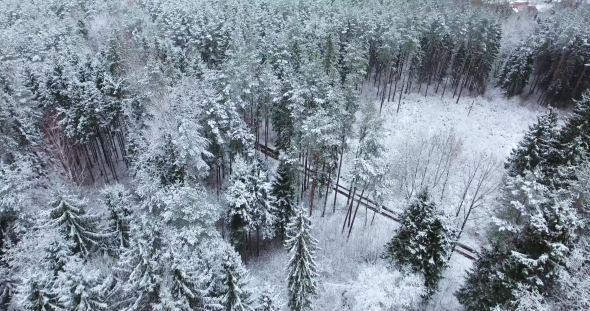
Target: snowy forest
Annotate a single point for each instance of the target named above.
(266, 155)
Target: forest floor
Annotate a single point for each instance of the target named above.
(490, 124)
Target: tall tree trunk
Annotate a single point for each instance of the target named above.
(338, 179)
(460, 233)
(355, 211)
(327, 192)
(579, 81)
(314, 183)
(349, 209)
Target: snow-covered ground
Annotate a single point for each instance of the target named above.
(489, 124)
(494, 124)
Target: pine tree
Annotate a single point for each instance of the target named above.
(534, 149)
(68, 214)
(517, 71)
(423, 241)
(250, 204)
(302, 269)
(282, 121)
(239, 213)
(284, 194)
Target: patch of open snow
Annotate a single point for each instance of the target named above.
(493, 125)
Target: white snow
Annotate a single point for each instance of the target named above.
(495, 124)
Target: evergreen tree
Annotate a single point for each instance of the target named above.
(263, 215)
(534, 149)
(68, 215)
(423, 241)
(80, 288)
(302, 269)
(7, 286)
(282, 121)
(485, 286)
(517, 71)
(184, 287)
(40, 287)
(284, 194)
(118, 203)
(531, 256)
(239, 213)
(574, 137)
(268, 301)
(236, 296)
(250, 208)
(143, 269)
(38, 295)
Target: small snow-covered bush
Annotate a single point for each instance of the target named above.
(379, 288)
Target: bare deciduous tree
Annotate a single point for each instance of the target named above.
(428, 163)
(479, 181)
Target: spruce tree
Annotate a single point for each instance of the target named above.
(282, 121)
(284, 194)
(263, 214)
(574, 137)
(534, 149)
(80, 288)
(142, 266)
(302, 269)
(118, 203)
(268, 301)
(531, 256)
(423, 241)
(236, 296)
(486, 286)
(38, 294)
(68, 215)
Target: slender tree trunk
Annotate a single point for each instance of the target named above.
(349, 209)
(355, 212)
(464, 84)
(314, 183)
(304, 175)
(579, 81)
(534, 85)
(338, 180)
(85, 154)
(327, 192)
(390, 83)
(460, 233)
(399, 102)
